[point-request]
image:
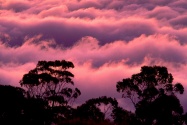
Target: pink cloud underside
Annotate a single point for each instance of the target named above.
(68, 21)
(97, 67)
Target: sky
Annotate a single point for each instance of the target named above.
(107, 40)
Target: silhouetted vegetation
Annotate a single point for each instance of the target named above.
(51, 82)
(12, 104)
(47, 95)
(154, 96)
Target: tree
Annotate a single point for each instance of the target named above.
(153, 95)
(36, 112)
(124, 117)
(51, 81)
(12, 105)
(97, 109)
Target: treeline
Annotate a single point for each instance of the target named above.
(47, 93)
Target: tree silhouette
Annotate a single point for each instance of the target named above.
(97, 109)
(185, 118)
(49, 94)
(153, 95)
(11, 105)
(36, 112)
(124, 117)
(51, 81)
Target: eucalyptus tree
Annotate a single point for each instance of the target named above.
(153, 95)
(52, 82)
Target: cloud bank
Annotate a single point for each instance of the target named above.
(68, 21)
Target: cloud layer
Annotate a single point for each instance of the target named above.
(68, 21)
(106, 40)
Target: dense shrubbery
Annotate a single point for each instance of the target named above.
(48, 92)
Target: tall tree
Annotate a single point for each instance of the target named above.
(153, 95)
(52, 82)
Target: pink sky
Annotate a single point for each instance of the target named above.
(107, 40)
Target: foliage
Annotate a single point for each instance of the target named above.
(49, 93)
(12, 104)
(78, 121)
(91, 109)
(51, 81)
(124, 117)
(36, 112)
(153, 95)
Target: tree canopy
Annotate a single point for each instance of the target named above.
(12, 104)
(153, 95)
(97, 109)
(47, 93)
(52, 82)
